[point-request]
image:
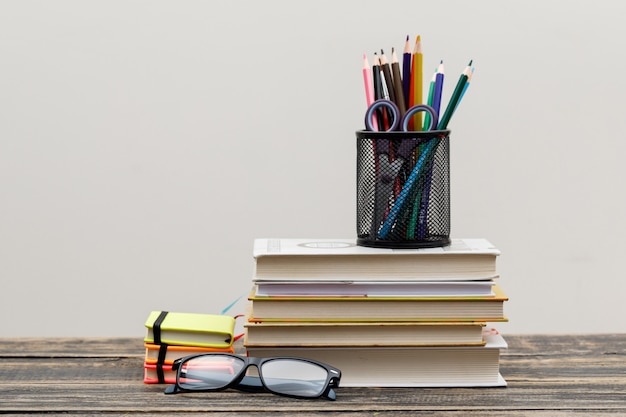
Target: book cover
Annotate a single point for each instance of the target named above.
(151, 374)
(192, 329)
(462, 366)
(336, 259)
(327, 334)
(483, 309)
(173, 352)
(375, 288)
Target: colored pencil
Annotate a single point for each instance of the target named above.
(367, 81)
(418, 170)
(438, 88)
(455, 98)
(378, 88)
(469, 79)
(429, 100)
(386, 69)
(406, 71)
(383, 83)
(415, 95)
(412, 224)
(420, 205)
(397, 82)
(369, 86)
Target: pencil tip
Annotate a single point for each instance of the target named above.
(393, 49)
(407, 38)
(470, 63)
(382, 52)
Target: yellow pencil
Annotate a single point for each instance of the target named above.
(415, 95)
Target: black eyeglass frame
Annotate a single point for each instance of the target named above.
(256, 384)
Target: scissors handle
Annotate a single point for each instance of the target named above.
(369, 114)
(416, 109)
(397, 121)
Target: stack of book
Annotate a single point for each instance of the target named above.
(173, 335)
(385, 317)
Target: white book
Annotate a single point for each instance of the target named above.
(462, 366)
(352, 334)
(407, 288)
(343, 259)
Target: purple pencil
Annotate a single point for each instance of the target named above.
(406, 71)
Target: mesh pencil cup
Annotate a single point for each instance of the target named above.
(403, 189)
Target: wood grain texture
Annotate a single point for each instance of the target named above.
(547, 376)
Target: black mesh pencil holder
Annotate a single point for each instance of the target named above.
(403, 189)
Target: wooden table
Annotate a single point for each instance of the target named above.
(569, 375)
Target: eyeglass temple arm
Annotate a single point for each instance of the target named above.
(171, 389)
(330, 392)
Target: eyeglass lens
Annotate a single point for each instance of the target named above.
(294, 377)
(209, 372)
(282, 376)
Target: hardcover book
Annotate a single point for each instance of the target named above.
(336, 334)
(461, 366)
(379, 309)
(191, 329)
(375, 288)
(341, 259)
(151, 374)
(173, 352)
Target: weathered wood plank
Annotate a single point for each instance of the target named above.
(109, 394)
(547, 375)
(579, 369)
(557, 345)
(442, 413)
(544, 345)
(150, 399)
(71, 347)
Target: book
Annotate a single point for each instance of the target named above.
(375, 288)
(151, 374)
(191, 329)
(378, 309)
(336, 334)
(343, 259)
(462, 366)
(173, 352)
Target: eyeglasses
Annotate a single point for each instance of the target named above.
(291, 377)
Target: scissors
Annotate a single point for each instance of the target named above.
(402, 122)
(389, 167)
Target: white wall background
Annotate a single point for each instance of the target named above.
(145, 144)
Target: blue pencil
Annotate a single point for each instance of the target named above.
(438, 88)
(406, 189)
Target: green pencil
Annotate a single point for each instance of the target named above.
(456, 96)
(431, 92)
